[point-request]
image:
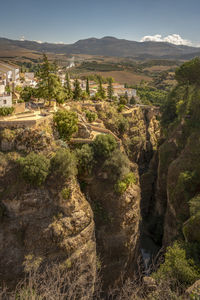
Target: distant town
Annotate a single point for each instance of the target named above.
(12, 81)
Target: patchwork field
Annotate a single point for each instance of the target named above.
(122, 76)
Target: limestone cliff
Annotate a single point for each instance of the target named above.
(117, 220)
(40, 223)
(171, 182)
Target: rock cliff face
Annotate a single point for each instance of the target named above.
(182, 184)
(40, 223)
(141, 140)
(117, 220)
(170, 182)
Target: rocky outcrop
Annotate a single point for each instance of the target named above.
(175, 181)
(141, 140)
(193, 292)
(26, 140)
(38, 222)
(117, 220)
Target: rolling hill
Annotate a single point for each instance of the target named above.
(107, 46)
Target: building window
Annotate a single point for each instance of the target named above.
(4, 101)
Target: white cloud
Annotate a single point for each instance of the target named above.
(22, 38)
(172, 38)
(60, 43)
(39, 42)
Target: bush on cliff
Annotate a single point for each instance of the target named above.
(189, 72)
(5, 111)
(90, 116)
(66, 122)
(34, 168)
(63, 164)
(103, 146)
(85, 159)
(177, 267)
(122, 185)
(122, 125)
(117, 166)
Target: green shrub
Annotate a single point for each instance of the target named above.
(5, 111)
(63, 164)
(66, 122)
(27, 92)
(91, 116)
(177, 267)
(8, 134)
(194, 205)
(34, 168)
(120, 107)
(66, 193)
(186, 185)
(189, 72)
(132, 100)
(85, 159)
(130, 178)
(117, 165)
(191, 228)
(122, 125)
(122, 185)
(104, 145)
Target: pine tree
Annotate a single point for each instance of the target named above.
(101, 93)
(132, 100)
(68, 88)
(77, 90)
(126, 96)
(49, 83)
(110, 91)
(87, 87)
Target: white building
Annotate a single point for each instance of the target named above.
(9, 74)
(29, 79)
(6, 100)
(131, 92)
(122, 91)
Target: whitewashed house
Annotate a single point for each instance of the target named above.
(29, 79)
(131, 92)
(10, 73)
(5, 98)
(9, 76)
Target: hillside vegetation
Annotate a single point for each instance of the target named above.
(82, 194)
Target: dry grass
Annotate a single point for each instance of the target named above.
(122, 76)
(78, 281)
(160, 68)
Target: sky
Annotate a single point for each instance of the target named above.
(67, 21)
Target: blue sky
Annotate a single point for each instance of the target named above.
(68, 21)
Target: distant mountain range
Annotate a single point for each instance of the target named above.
(107, 46)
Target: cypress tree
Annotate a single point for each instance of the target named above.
(68, 88)
(101, 91)
(110, 89)
(77, 90)
(87, 87)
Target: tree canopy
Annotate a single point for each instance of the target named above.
(189, 72)
(66, 123)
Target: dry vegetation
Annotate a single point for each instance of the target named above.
(160, 68)
(123, 76)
